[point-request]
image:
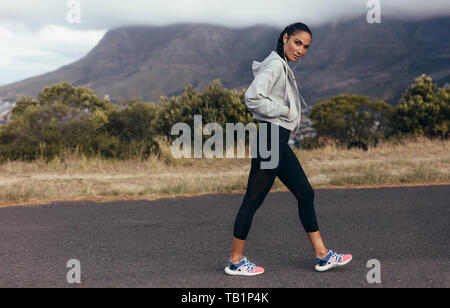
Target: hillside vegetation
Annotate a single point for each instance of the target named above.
(68, 143)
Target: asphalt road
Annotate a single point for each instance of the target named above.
(185, 242)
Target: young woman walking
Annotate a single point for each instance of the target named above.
(274, 99)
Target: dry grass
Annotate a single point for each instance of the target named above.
(75, 176)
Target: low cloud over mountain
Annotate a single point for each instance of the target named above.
(354, 57)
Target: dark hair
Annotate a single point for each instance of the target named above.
(290, 30)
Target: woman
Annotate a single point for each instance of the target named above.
(274, 99)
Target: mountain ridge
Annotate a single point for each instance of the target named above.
(352, 56)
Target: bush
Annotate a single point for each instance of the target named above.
(424, 109)
(352, 120)
(63, 117)
(215, 104)
(135, 128)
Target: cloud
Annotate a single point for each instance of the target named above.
(26, 52)
(36, 36)
(101, 14)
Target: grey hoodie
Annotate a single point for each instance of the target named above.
(273, 89)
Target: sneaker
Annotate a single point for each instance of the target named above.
(331, 260)
(243, 268)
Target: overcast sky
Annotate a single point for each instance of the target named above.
(36, 37)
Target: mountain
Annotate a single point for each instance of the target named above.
(353, 57)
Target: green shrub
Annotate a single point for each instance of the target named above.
(424, 109)
(351, 120)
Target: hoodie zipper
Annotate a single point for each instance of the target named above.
(300, 97)
(299, 109)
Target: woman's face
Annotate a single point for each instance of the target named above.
(297, 45)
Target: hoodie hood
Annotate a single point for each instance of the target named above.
(256, 66)
(274, 56)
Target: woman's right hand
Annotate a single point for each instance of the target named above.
(289, 117)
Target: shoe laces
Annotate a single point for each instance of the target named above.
(250, 265)
(337, 256)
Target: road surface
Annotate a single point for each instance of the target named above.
(185, 242)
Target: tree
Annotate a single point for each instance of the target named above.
(21, 104)
(62, 117)
(80, 98)
(135, 128)
(352, 120)
(43, 131)
(223, 106)
(177, 109)
(215, 104)
(424, 109)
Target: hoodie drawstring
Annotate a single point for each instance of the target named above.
(301, 97)
(285, 80)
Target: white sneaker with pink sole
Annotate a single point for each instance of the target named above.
(243, 268)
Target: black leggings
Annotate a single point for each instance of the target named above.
(260, 181)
